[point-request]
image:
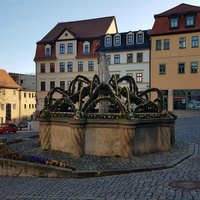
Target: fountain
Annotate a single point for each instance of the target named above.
(99, 117)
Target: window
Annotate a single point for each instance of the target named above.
(139, 77)
(195, 41)
(130, 39)
(42, 67)
(52, 85)
(29, 94)
(108, 41)
(52, 67)
(29, 106)
(108, 59)
(32, 105)
(190, 20)
(129, 58)
(62, 84)
(24, 106)
(2, 106)
(80, 66)
(70, 48)
(139, 57)
(117, 40)
(140, 38)
(158, 44)
(14, 106)
(62, 67)
(62, 48)
(181, 68)
(174, 22)
(47, 50)
(193, 67)
(42, 86)
(129, 74)
(86, 47)
(182, 42)
(24, 94)
(117, 59)
(166, 44)
(70, 67)
(162, 69)
(90, 65)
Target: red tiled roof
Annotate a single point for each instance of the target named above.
(83, 28)
(6, 81)
(40, 53)
(162, 21)
(180, 9)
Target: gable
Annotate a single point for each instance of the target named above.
(67, 35)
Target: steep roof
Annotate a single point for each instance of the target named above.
(162, 22)
(180, 9)
(6, 81)
(83, 28)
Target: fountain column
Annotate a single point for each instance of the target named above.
(103, 73)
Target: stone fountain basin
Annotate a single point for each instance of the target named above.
(107, 137)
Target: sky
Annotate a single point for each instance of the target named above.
(25, 22)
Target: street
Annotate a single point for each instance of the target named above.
(152, 185)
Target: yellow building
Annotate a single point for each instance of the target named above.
(15, 104)
(175, 56)
(68, 50)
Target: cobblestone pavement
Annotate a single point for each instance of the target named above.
(179, 180)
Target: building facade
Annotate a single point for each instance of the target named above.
(175, 56)
(128, 53)
(68, 50)
(16, 104)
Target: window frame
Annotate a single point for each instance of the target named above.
(158, 45)
(52, 67)
(42, 68)
(69, 66)
(62, 66)
(139, 77)
(195, 42)
(139, 57)
(194, 68)
(90, 65)
(42, 86)
(181, 68)
(70, 48)
(62, 48)
(182, 42)
(166, 44)
(129, 58)
(108, 41)
(80, 66)
(117, 59)
(162, 69)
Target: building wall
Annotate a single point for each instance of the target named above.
(172, 79)
(11, 97)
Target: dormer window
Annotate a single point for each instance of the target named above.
(174, 22)
(47, 50)
(129, 38)
(108, 41)
(86, 47)
(189, 20)
(140, 38)
(117, 40)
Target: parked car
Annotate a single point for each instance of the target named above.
(7, 128)
(23, 124)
